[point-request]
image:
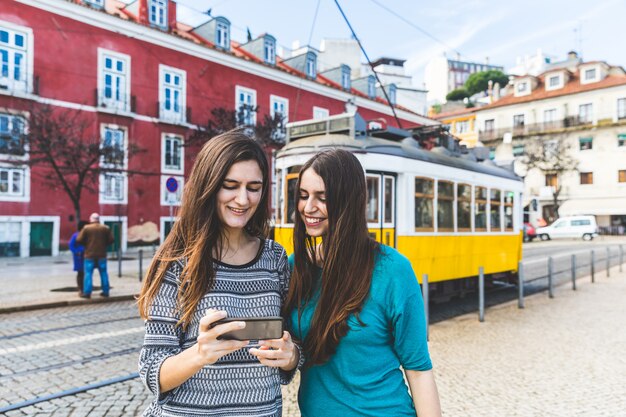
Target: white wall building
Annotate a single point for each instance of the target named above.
(584, 105)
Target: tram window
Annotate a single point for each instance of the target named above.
(372, 200)
(423, 204)
(445, 204)
(464, 209)
(388, 200)
(508, 210)
(494, 199)
(480, 208)
(290, 198)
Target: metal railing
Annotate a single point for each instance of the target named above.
(614, 256)
(534, 128)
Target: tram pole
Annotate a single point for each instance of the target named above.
(608, 262)
(574, 272)
(481, 294)
(550, 280)
(520, 284)
(426, 306)
(593, 266)
(621, 258)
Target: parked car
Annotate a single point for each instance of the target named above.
(584, 227)
(529, 232)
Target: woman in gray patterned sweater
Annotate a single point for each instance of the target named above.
(215, 263)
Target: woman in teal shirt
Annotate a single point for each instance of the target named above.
(355, 304)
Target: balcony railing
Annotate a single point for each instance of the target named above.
(115, 102)
(30, 85)
(535, 128)
(170, 116)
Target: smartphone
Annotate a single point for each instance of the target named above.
(257, 328)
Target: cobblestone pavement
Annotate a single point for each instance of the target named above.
(557, 357)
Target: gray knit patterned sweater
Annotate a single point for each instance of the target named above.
(237, 384)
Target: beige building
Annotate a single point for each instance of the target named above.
(584, 103)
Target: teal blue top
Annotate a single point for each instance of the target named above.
(363, 377)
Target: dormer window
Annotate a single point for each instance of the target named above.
(590, 74)
(371, 86)
(222, 35)
(311, 70)
(522, 87)
(345, 78)
(392, 94)
(158, 13)
(269, 50)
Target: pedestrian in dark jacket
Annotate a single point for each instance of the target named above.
(95, 237)
(78, 252)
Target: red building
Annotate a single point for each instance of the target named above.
(143, 79)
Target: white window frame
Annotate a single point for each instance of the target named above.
(589, 115)
(559, 83)
(159, 17)
(493, 125)
(166, 195)
(371, 88)
(11, 117)
(269, 51)
(345, 78)
(248, 92)
(320, 113)
(462, 126)
(24, 83)
(124, 90)
(222, 35)
(552, 112)
(621, 108)
(277, 101)
(596, 76)
(393, 94)
(523, 116)
(171, 115)
(123, 176)
(310, 66)
(9, 196)
(165, 137)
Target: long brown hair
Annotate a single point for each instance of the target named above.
(348, 253)
(197, 236)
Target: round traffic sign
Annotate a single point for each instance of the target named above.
(171, 184)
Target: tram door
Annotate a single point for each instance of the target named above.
(381, 207)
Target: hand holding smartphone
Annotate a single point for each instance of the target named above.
(257, 328)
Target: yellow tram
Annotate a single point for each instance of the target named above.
(448, 214)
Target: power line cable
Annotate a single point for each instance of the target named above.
(414, 26)
(317, 8)
(382, 87)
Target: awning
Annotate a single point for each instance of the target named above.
(594, 206)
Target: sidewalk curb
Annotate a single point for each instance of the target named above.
(70, 303)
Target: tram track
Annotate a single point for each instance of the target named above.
(67, 392)
(66, 364)
(57, 329)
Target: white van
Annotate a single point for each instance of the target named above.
(570, 227)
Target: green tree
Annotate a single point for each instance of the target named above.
(457, 95)
(479, 81)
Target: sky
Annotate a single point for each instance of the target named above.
(418, 30)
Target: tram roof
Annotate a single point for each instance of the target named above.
(375, 145)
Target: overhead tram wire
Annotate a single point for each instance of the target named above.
(382, 87)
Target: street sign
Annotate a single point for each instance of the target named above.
(171, 184)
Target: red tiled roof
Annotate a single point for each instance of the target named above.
(572, 87)
(118, 9)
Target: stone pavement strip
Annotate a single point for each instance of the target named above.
(557, 357)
